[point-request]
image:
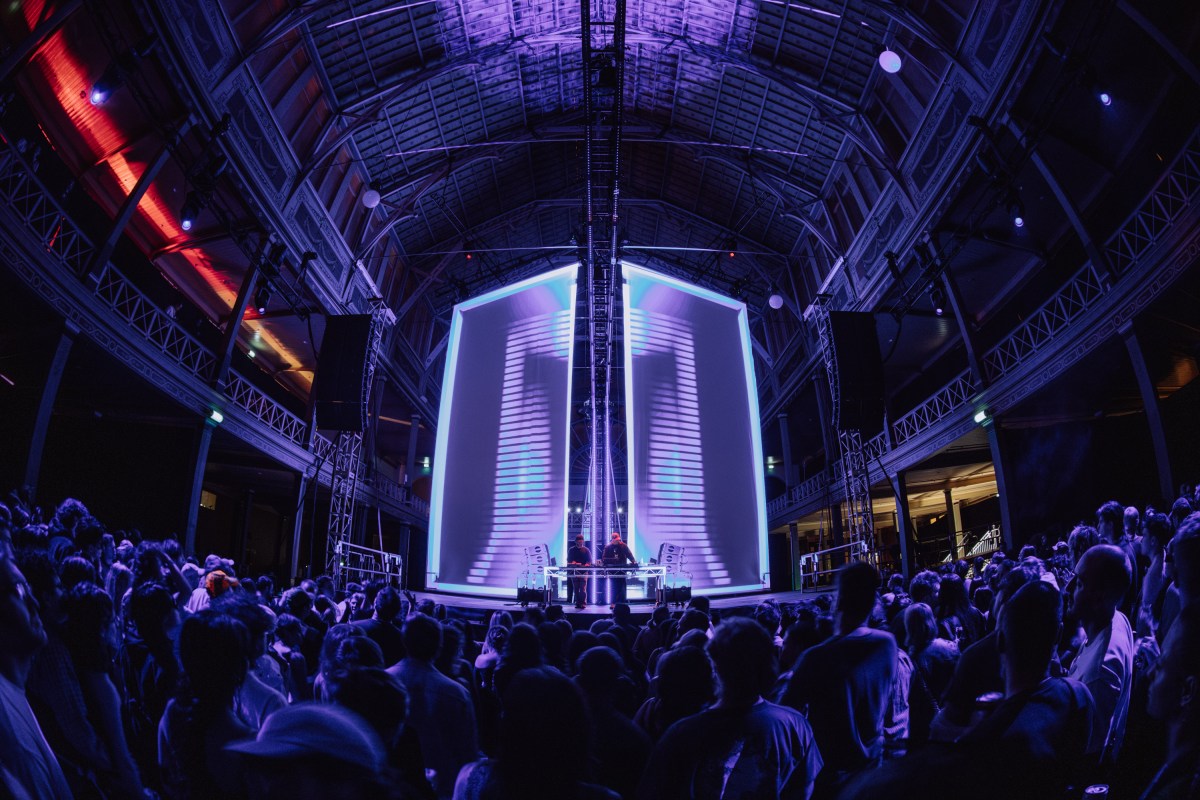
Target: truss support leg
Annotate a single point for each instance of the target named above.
(837, 533)
(785, 442)
(301, 484)
(203, 441)
(1158, 432)
(794, 552)
(824, 416)
(904, 526)
(995, 444)
(410, 463)
(41, 426)
(953, 527)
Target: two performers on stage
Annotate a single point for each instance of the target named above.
(616, 554)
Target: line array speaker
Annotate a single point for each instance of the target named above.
(340, 390)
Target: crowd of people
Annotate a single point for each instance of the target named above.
(128, 669)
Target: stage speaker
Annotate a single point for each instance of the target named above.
(529, 594)
(677, 594)
(860, 371)
(779, 558)
(670, 556)
(537, 557)
(341, 373)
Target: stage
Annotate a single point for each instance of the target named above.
(479, 609)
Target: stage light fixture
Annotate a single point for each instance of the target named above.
(981, 416)
(101, 91)
(890, 61)
(775, 299)
(192, 205)
(1017, 211)
(262, 296)
(371, 197)
(1105, 98)
(216, 416)
(275, 258)
(937, 296)
(114, 75)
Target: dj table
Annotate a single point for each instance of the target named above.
(643, 583)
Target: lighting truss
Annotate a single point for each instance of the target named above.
(347, 460)
(855, 472)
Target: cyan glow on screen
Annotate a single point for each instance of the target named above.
(697, 291)
(568, 290)
(760, 485)
(631, 478)
(571, 304)
(563, 282)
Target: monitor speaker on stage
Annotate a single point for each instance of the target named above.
(677, 595)
(339, 391)
(860, 370)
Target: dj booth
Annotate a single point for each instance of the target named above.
(642, 583)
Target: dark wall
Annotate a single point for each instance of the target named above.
(779, 561)
(1060, 474)
(1181, 419)
(128, 474)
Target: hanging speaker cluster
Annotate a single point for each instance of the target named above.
(859, 371)
(341, 391)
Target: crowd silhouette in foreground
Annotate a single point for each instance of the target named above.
(129, 669)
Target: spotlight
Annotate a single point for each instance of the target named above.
(192, 205)
(981, 416)
(371, 197)
(216, 416)
(890, 61)
(775, 300)
(112, 79)
(1105, 98)
(114, 76)
(262, 296)
(937, 296)
(100, 94)
(1017, 211)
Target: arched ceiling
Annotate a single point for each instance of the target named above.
(762, 128)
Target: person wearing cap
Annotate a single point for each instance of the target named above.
(313, 750)
(202, 594)
(579, 556)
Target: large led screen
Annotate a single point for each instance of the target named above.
(500, 468)
(695, 449)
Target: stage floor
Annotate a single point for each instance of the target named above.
(480, 608)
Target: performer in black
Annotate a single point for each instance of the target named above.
(618, 554)
(579, 556)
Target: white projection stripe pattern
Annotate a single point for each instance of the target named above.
(500, 468)
(672, 491)
(523, 497)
